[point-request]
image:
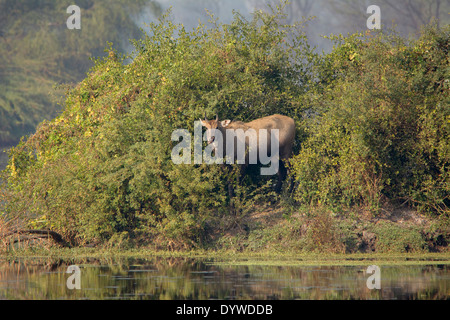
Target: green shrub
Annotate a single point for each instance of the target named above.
(103, 167)
(395, 238)
(372, 118)
(379, 125)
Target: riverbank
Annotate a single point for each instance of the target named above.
(276, 231)
(229, 257)
(315, 229)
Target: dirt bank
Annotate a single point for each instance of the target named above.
(396, 230)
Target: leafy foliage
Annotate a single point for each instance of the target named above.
(395, 238)
(372, 118)
(380, 126)
(102, 169)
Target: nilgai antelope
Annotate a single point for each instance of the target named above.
(271, 136)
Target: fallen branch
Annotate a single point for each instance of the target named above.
(46, 233)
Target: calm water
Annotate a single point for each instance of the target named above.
(198, 279)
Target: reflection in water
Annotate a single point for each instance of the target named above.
(180, 278)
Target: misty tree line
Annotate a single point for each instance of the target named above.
(408, 15)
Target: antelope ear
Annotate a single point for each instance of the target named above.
(225, 123)
(203, 122)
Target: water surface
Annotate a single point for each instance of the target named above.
(198, 279)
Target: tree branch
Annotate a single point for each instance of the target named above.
(48, 233)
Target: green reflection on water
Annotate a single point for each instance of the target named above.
(184, 278)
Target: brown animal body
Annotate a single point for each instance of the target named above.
(286, 134)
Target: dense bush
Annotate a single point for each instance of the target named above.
(102, 169)
(381, 124)
(373, 123)
(396, 238)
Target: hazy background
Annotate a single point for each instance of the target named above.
(331, 16)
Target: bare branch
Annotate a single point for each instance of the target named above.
(44, 233)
